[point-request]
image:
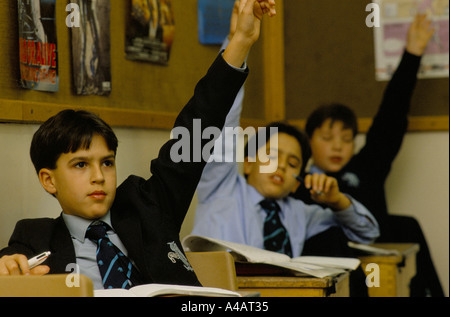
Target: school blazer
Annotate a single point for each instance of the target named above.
(148, 214)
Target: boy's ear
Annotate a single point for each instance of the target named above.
(47, 181)
(247, 166)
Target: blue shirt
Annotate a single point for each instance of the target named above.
(228, 208)
(85, 249)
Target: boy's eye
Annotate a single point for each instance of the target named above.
(80, 164)
(294, 163)
(347, 138)
(108, 163)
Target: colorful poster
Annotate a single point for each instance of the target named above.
(91, 56)
(390, 37)
(37, 45)
(150, 31)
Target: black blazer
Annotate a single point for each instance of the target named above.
(147, 214)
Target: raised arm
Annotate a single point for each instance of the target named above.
(389, 126)
(213, 97)
(419, 34)
(247, 29)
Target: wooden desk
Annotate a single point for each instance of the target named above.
(280, 286)
(51, 285)
(396, 271)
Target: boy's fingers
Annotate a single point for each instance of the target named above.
(23, 262)
(267, 7)
(322, 181)
(307, 181)
(328, 184)
(313, 182)
(12, 267)
(317, 182)
(40, 270)
(19, 264)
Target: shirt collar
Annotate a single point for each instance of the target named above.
(77, 226)
(255, 198)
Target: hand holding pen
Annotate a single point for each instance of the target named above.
(18, 264)
(325, 190)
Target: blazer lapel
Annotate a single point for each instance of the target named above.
(130, 233)
(63, 251)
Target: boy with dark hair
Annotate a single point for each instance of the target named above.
(130, 235)
(236, 208)
(233, 208)
(334, 112)
(282, 127)
(331, 130)
(68, 132)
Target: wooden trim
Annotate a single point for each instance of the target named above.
(273, 62)
(37, 112)
(430, 123)
(273, 65)
(416, 124)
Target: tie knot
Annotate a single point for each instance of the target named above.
(270, 205)
(97, 231)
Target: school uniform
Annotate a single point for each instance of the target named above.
(147, 214)
(365, 175)
(229, 208)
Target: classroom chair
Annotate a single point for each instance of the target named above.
(214, 269)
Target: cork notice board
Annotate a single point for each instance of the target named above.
(330, 58)
(143, 94)
(312, 52)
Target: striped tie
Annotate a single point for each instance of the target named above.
(276, 237)
(116, 269)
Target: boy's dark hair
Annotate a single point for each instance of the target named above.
(289, 130)
(68, 131)
(335, 112)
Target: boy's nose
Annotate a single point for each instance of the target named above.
(282, 163)
(97, 175)
(337, 144)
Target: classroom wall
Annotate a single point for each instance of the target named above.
(418, 184)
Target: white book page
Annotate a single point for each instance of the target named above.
(249, 253)
(336, 262)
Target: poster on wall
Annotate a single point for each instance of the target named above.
(214, 20)
(37, 45)
(91, 58)
(150, 31)
(390, 38)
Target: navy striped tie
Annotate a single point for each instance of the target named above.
(116, 269)
(276, 237)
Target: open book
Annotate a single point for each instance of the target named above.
(369, 249)
(317, 266)
(153, 290)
